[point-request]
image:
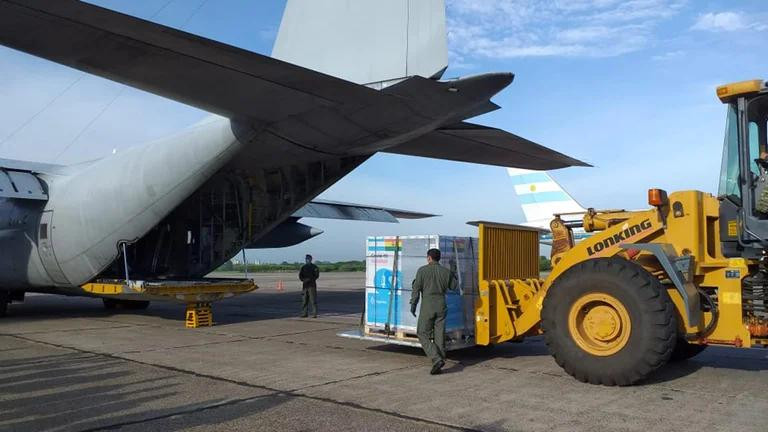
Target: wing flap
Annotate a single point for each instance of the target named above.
(21, 185)
(467, 142)
(339, 210)
(33, 167)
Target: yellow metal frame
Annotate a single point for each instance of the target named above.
(197, 294)
(174, 290)
(199, 315)
(103, 288)
(508, 280)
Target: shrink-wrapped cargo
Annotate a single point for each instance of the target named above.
(391, 265)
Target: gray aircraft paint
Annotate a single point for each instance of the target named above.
(393, 39)
(152, 180)
(188, 203)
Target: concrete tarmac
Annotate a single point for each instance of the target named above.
(66, 364)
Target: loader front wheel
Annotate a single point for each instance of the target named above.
(608, 321)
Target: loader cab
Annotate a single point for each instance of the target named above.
(743, 188)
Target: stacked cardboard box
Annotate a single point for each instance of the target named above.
(391, 265)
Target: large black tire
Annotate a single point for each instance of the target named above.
(646, 346)
(684, 350)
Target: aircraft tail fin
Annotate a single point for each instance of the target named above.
(541, 196)
(372, 42)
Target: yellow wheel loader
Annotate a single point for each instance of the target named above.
(647, 286)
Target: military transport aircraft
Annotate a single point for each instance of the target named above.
(346, 80)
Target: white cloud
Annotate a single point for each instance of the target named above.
(538, 28)
(669, 56)
(727, 21)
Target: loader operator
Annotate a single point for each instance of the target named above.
(308, 276)
(431, 283)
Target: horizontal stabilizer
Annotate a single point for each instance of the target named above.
(467, 142)
(210, 75)
(339, 210)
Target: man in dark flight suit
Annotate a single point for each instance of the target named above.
(431, 283)
(308, 275)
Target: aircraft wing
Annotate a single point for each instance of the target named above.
(340, 210)
(468, 142)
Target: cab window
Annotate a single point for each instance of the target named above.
(729, 171)
(754, 148)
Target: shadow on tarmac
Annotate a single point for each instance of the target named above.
(86, 392)
(250, 307)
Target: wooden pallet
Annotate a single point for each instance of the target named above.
(408, 335)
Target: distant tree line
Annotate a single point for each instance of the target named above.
(341, 266)
(544, 264)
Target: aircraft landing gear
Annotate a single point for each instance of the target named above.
(5, 299)
(125, 304)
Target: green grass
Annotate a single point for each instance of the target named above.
(342, 266)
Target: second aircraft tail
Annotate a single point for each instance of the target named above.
(541, 197)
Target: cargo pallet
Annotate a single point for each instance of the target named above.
(506, 281)
(453, 340)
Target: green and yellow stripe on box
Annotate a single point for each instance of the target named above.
(381, 244)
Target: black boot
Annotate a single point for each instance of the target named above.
(437, 367)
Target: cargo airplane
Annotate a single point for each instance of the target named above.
(346, 80)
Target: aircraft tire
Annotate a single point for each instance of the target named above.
(5, 300)
(608, 321)
(135, 304)
(125, 304)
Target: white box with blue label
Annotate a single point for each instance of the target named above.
(391, 265)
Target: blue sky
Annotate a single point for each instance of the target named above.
(627, 86)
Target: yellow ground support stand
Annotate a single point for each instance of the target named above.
(199, 315)
(196, 294)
